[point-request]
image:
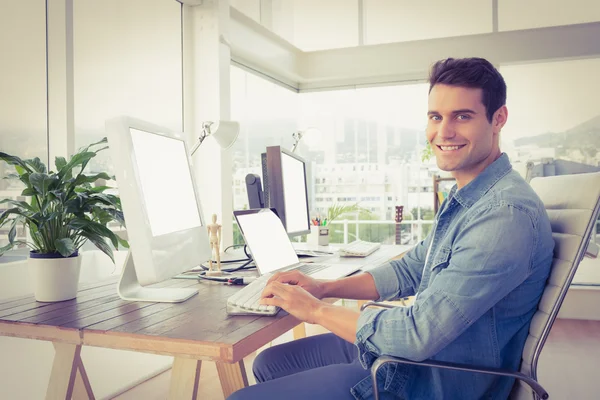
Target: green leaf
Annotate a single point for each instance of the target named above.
(95, 228)
(101, 141)
(60, 163)
(427, 152)
(65, 246)
(58, 195)
(41, 182)
(6, 213)
(20, 170)
(122, 241)
(77, 159)
(21, 204)
(34, 203)
(6, 248)
(101, 215)
(100, 243)
(106, 215)
(101, 198)
(29, 192)
(12, 160)
(99, 189)
(25, 178)
(338, 210)
(83, 179)
(37, 165)
(13, 231)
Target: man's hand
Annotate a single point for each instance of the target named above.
(311, 285)
(293, 299)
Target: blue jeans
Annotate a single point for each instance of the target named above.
(313, 368)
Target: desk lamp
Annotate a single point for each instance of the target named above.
(224, 132)
(311, 135)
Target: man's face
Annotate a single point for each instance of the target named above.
(462, 138)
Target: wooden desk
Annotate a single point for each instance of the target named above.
(195, 330)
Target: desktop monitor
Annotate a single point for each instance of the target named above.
(165, 226)
(287, 189)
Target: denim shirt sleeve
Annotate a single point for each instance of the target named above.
(400, 278)
(489, 258)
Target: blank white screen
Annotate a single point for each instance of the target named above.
(294, 194)
(166, 183)
(271, 248)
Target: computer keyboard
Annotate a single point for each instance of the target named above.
(246, 300)
(359, 248)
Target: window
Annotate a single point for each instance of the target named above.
(130, 66)
(23, 131)
(267, 114)
(368, 127)
(383, 124)
(558, 122)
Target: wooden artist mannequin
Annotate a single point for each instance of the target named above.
(214, 238)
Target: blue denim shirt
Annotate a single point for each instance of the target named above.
(490, 256)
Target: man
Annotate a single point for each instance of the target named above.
(477, 277)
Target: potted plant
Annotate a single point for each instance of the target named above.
(337, 210)
(64, 211)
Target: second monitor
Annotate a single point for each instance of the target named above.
(287, 189)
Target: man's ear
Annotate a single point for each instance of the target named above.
(499, 119)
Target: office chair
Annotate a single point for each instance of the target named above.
(573, 204)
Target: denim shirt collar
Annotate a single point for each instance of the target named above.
(474, 190)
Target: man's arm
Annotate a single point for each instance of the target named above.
(304, 306)
(490, 258)
(359, 287)
(294, 291)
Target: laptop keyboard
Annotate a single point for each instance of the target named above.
(311, 268)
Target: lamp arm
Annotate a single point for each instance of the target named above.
(200, 140)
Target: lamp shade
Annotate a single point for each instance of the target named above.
(225, 133)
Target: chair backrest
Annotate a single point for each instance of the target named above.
(572, 203)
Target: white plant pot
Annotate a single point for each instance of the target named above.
(55, 279)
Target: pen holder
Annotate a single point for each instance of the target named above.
(319, 235)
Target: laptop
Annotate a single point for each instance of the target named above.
(272, 249)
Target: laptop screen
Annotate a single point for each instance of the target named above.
(267, 239)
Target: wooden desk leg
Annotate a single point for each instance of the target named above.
(68, 377)
(299, 331)
(233, 376)
(82, 388)
(185, 376)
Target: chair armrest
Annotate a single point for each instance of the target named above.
(381, 305)
(382, 360)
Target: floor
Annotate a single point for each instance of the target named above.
(566, 369)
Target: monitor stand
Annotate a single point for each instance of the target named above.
(129, 288)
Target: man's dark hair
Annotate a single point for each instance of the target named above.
(472, 73)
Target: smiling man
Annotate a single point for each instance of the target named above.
(477, 277)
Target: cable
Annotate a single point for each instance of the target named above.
(234, 280)
(248, 256)
(246, 252)
(233, 246)
(245, 265)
